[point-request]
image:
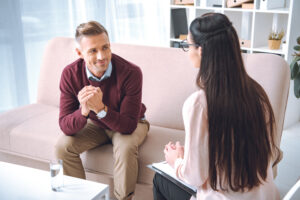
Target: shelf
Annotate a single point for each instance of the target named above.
(175, 40)
(209, 8)
(246, 48)
(266, 49)
(238, 9)
(279, 11)
(250, 24)
(181, 6)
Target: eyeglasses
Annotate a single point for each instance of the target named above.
(186, 46)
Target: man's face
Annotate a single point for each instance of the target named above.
(95, 50)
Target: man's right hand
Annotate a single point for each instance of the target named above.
(83, 96)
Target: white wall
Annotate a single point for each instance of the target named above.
(292, 114)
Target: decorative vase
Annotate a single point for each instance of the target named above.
(274, 44)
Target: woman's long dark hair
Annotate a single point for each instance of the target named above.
(240, 116)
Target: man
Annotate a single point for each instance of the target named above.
(100, 102)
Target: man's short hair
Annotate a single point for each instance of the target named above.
(90, 28)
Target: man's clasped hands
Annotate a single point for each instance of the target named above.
(90, 99)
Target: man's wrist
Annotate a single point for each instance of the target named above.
(102, 113)
(103, 108)
(84, 113)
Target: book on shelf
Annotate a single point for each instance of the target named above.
(184, 2)
(179, 15)
(236, 3)
(164, 169)
(248, 5)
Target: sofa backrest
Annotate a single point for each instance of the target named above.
(59, 52)
(169, 78)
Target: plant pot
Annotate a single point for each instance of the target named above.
(274, 44)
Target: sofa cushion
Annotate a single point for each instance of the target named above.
(9, 120)
(101, 159)
(36, 136)
(152, 149)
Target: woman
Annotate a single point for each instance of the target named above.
(229, 123)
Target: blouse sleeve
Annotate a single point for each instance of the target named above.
(193, 168)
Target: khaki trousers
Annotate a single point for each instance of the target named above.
(125, 150)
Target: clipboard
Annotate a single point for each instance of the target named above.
(186, 187)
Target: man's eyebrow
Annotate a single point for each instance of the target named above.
(91, 48)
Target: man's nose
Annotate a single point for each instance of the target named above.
(100, 55)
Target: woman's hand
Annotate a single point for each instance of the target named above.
(172, 152)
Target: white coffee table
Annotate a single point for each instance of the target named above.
(19, 182)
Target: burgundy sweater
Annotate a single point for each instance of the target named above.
(122, 94)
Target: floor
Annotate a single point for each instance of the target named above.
(289, 167)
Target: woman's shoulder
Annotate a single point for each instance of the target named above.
(195, 100)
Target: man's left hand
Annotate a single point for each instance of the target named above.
(95, 101)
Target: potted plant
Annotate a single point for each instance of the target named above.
(275, 39)
(295, 69)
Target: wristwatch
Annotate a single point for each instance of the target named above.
(102, 113)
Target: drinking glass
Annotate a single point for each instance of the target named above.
(57, 175)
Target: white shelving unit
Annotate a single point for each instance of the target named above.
(251, 24)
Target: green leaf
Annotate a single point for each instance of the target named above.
(297, 86)
(294, 68)
(297, 48)
(298, 40)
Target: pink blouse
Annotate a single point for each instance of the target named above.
(193, 168)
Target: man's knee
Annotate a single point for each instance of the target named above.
(126, 150)
(63, 146)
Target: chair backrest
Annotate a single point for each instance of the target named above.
(273, 74)
(168, 80)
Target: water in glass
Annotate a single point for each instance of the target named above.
(56, 172)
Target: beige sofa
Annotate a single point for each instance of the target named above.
(28, 133)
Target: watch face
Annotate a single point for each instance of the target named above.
(101, 114)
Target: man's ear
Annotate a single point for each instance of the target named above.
(79, 53)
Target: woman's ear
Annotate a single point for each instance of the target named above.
(200, 55)
(200, 51)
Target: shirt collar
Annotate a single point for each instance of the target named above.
(106, 74)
